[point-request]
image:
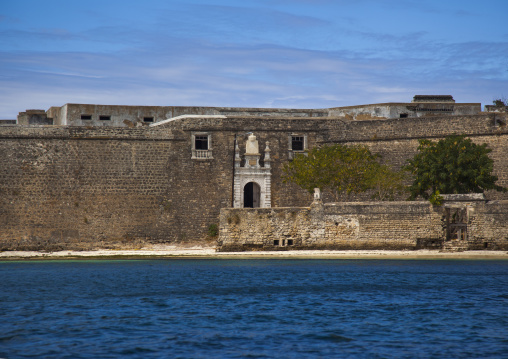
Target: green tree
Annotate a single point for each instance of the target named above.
(500, 102)
(336, 169)
(387, 183)
(452, 165)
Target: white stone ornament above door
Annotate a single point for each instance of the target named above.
(252, 172)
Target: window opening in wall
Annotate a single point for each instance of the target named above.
(86, 117)
(290, 242)
(283, 242)
(201, 142)
(148, 119)
(202, 146)
(275, 242)
(403, 115)
(104, 118)
(297, 143)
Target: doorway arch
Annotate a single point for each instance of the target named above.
(251, 195)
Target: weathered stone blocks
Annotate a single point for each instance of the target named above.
(63, 187)
(367, 225)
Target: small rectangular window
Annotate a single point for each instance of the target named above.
(201, 146)
(403, 115)
(148, 119)
(86, 117)
(297, 143)
(290, 242)
(201, 142)
(276, 242)
(105, 118)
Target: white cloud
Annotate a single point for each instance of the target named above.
(251, 55)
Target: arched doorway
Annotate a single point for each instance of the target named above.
(251, 195)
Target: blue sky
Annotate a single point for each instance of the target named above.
(249, 53)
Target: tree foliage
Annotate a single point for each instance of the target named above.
(500, 102)
(339, 170)
(387, 183)
(452, 165)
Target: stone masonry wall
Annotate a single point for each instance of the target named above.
(82, 187)
(127, 116)
(488, 226)
(395, 110)
(397, 140)
(78, 187)
(360, 225)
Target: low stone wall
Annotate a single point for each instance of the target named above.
(361, 225)
(488, 226)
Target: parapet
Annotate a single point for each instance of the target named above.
(34, 117)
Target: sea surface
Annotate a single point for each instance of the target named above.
(250, 308)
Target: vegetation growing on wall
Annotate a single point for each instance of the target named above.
(340, 169)
(213, 230)
(452, 165)
(500, 102)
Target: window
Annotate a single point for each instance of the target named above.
(148, 119)
(275, 242)
(201, 146)
(297, 144)
(105, 118)
(86, 117)
(403, 115)
(201, 143)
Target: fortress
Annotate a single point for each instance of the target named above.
(86, 176)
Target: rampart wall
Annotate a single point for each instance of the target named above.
(381, 111)
(360, 225)
(83, 187)
(132, 116)
(335, 226)
(78, 187)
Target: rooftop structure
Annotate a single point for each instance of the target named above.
(136, 116)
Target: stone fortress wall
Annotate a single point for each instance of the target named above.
(365, 225)
(72, 187)
(132, 116)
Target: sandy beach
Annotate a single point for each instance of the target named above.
(209, 252)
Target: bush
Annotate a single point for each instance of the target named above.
(213, 230)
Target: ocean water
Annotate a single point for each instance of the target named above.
(200, 308)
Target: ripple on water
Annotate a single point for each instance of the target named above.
(254, 308)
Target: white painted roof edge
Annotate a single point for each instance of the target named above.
(185, 116)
